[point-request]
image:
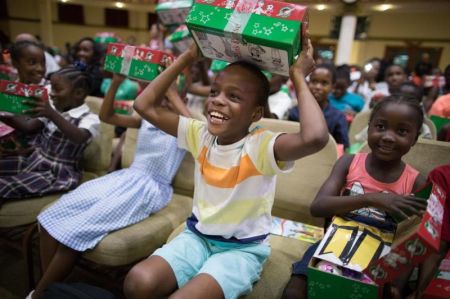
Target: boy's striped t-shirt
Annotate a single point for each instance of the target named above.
(234, 184)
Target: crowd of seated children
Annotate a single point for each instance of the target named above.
(59, 130)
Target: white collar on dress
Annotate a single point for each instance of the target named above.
(78, 111)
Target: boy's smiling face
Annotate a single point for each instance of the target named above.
(232, 105)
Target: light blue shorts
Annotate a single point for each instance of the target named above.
(234, 266)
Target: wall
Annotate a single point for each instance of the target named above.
(25, 18)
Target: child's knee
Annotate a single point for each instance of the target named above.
(139, 283)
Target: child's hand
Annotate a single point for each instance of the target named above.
(401, 205)
(193, 51)
(118, 78)
(305, 63)
(41, 108)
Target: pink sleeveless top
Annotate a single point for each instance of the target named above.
(360, 182)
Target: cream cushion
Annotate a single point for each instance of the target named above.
(138, 241)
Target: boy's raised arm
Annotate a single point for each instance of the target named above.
(313, 134)
(148, 103)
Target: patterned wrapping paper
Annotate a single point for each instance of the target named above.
(415, 240)
(123, 107)
(268, 33)
(139, 63)
(173, 12)
(296, 230)
(439, 287)
(181, 38)
(12, 95)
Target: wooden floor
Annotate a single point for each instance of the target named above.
(13, 279)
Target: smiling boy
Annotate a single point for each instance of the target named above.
(223, 249)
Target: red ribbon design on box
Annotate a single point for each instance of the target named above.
(24, 90)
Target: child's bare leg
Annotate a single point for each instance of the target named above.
(48, 247)
(151, 278)
(60, 266)
(296, 288)
(201, 286)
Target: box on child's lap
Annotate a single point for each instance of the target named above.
(376, 256)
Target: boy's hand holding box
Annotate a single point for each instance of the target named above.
(173, 12)
(139, 63)
(13, 95)
(266, 32)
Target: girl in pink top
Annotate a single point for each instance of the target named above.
(367, 187)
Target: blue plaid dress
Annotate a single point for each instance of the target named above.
(53, 166)
(81, 218)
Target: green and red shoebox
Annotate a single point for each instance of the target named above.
(106, 37)
(439, 287)
(123, 107)
(181, 38)
(267, 33)
(415, 239)
(138, 63)
(13, 95)
(173, 12)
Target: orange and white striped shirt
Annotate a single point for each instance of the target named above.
(234, 184)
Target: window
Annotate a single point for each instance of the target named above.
(3, 9)
(152, 19)
(408, 57)
(116, 17)
(70, 13)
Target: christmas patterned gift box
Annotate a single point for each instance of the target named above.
(13, 94)
(123, 107)
(135, 62)
(439, 287)
(173, 12)
(268, 33)
(416, 238)
(107, 37)
(181, 38)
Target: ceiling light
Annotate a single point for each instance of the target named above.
(119, 5)
(64, 1)
(384, 7)
(321, 7)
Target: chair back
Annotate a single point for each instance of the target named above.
(296, 190)
(359, 122)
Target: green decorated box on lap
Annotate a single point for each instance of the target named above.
(13, 95)
(139, 63)
(268, 33)
(376, 257)
(173, 12)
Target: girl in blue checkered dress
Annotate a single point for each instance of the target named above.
(82, 218)
(63, 128)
